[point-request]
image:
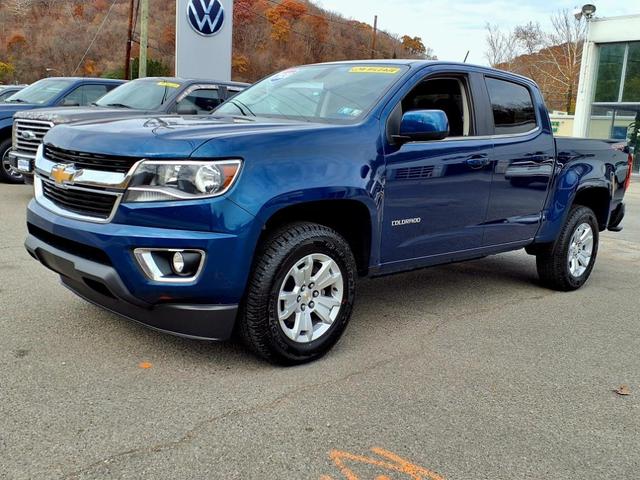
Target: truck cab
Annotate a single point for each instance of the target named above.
(48, 92)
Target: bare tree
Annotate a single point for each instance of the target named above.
(563, 53)
(501, 47)
(551, 58)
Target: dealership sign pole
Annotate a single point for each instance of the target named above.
(204, 38)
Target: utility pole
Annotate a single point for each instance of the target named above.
(144, 37)
(127, 61)
(373, 39)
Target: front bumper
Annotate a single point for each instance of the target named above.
(96, 262)
(100, 284)
(22, 163)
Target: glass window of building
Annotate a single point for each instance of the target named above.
(631, 90)
(609, 72)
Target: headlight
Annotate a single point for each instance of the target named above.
(163, 180)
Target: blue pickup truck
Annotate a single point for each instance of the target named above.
(260, 218)
(48, 92)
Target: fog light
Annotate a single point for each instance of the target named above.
(170, 265)
(178, 263)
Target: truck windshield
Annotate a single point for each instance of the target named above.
(143, 94)
(41, 92)
(337, 93)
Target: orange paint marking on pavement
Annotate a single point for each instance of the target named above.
(391, 463)
(145, 365)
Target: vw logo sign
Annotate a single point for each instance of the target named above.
(205, 16)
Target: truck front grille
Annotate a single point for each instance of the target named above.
(91, 203)
(29, 135)
(90, 161)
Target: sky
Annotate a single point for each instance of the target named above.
(451, 27)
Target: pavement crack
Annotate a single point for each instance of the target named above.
(193, 432)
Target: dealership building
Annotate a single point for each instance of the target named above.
(608, 103)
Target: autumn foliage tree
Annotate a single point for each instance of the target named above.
(268, 35)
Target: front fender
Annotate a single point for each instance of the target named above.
(6, 123)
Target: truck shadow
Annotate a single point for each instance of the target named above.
(458, 289)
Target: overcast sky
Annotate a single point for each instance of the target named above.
(451, 27)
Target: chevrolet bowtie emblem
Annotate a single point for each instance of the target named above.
(64, 173)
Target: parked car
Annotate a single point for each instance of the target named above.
(49, 92)
(7, 90)
(139, 97)
(262, 217)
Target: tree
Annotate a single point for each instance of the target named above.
(6, 72)
(551, 58)
(414, 46)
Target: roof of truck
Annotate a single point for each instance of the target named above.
(88, 79)
(420, 63)
(196, 80)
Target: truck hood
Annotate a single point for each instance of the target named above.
(8, 109)
(62, 115)
(166, 136)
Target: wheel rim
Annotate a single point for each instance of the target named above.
(580, 249)
(6, 166)
(310, 298)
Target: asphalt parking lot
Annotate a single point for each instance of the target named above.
(468, 371)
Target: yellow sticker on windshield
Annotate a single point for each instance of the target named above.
(388, 70)
(169, 84)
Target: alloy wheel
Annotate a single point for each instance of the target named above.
(310, 298)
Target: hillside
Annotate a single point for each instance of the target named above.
(269, 35)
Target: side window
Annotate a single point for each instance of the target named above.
(73, 99)
(232, 92)
(93, 93)
(446, 94)
(512, 106)
(199, 102)
(84, 95)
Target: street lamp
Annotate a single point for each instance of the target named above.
(587, 11)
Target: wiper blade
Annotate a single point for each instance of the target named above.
(240, 106)
(17, 100)
(118, 105)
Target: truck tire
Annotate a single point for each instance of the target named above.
(7, 174)
(567, 264)
(300, 295)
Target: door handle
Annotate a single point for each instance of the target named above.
(478, 161)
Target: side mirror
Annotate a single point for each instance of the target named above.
(423, 125)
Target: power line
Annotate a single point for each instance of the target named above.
(106, 17)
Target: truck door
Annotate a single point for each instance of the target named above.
(436, 192)
(524, 159)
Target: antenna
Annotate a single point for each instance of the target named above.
(466, 56)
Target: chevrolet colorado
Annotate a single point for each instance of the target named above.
(48, 92)
(144, 96)
(260, 217)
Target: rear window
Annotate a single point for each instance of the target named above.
(512, 106)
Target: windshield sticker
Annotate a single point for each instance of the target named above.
(349, 112)
(169, 84)
(284, 74)
(387, 70)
